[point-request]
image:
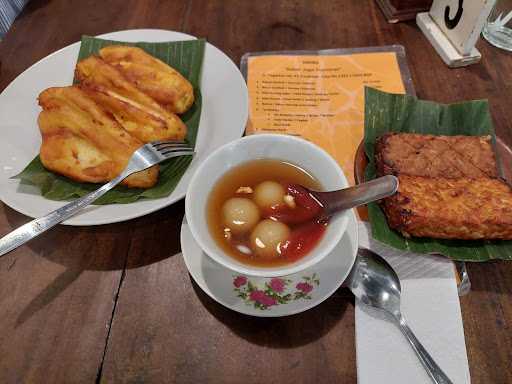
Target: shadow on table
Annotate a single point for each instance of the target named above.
(281, 332)
(33, 6)
(111, 247)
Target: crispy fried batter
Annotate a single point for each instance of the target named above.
(435, 156)
(451, 208)
(152, 76)
(82, 142)
(138, 113)
(449, 187)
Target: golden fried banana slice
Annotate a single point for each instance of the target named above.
(138, 113)
(152, 76)
(82, 142)
(139, 121)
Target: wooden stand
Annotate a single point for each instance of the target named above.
(443, 45)
(401, 10)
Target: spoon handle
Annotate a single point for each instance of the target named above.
(435, 372)
(361, 194)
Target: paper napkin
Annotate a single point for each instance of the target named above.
(430, 304)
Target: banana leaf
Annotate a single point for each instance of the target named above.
(184, 56)
(385, 112)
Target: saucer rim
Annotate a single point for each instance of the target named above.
(352, 223)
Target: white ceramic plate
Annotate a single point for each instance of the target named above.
(306, 289)
(223, 118)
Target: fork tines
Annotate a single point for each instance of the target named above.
(166, 147)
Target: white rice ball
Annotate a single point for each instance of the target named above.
(267, 237)
(240, 215)
(268, 194)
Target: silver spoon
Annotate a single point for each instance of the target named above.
(374, 282)
(360, 194)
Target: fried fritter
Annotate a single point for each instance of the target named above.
(140, 122)
(138, 113)
(152, 76)
(82, 142)
(435, 156)
(451, 208)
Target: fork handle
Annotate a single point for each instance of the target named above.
(35, 227)
(434, 371)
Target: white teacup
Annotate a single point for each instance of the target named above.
(287, 148)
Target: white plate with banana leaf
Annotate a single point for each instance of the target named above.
(223, 118)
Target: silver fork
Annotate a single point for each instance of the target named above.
(146, 156)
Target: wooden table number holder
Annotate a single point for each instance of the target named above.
(402, 10)
(453, 27)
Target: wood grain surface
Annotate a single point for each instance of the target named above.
(115, 303)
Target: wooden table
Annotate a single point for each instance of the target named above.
(115, 303)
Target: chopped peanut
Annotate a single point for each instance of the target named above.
(244, 190)
(289, 201)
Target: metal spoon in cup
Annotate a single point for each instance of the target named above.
(361, 194)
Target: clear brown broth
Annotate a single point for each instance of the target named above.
(250, 174)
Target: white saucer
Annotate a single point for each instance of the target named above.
(300, 291)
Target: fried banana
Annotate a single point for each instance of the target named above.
(152, 76)
(137, 113)
(451, 208)
(435, 156)
(82, 142)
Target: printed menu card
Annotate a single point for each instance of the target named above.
(319, 97)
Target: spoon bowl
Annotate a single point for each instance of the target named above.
(368, 277)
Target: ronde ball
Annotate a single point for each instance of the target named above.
(240, 215)
(268, 194)
(267, 237)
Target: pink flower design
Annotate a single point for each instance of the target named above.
(239, 281)
(277, 285)
(260, 297)
(304, 287)
(274, 292)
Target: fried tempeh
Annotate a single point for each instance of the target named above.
(451, 208)
(138, 113)
(152, 76)
(82, 142)
(449, 187)
(435, 156)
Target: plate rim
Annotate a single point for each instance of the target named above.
(352, 223)
(165, 201)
